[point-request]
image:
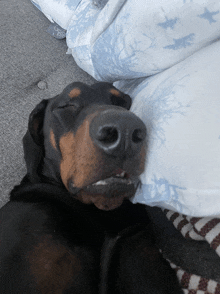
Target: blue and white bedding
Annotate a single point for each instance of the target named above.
(166, 55)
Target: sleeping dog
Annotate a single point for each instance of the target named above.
(70, 227)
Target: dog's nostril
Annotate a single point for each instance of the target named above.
(107, 135)
(138, 136)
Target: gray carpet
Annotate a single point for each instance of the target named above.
(28, 55)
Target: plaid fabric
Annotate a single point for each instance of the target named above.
(206, 229)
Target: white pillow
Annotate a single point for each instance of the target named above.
(132, 39)
(181, 109)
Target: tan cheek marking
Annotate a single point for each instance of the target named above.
(74, 93)
(81, 161)
(53, 266)
(88, 159)
(67, 166)
(52, 139)
(115, 92)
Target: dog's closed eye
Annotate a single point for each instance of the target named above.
(73, 106)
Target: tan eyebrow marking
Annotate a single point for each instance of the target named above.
(74, 93)
(115, 92)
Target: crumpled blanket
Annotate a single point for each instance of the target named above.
(193, 284)
(201, 229)
(166, 55)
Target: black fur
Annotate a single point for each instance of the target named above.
(50, 242)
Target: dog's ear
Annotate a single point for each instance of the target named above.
(115, 96)
(33, 142)
(36, 120)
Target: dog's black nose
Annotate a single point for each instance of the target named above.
(118, 132)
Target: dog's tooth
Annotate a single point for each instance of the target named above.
(122, 174)
(100, 183)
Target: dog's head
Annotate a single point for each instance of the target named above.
(87, 140)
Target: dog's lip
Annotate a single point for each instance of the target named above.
(119, 180)
(118, 177)
(113, 180)
(108, 193)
